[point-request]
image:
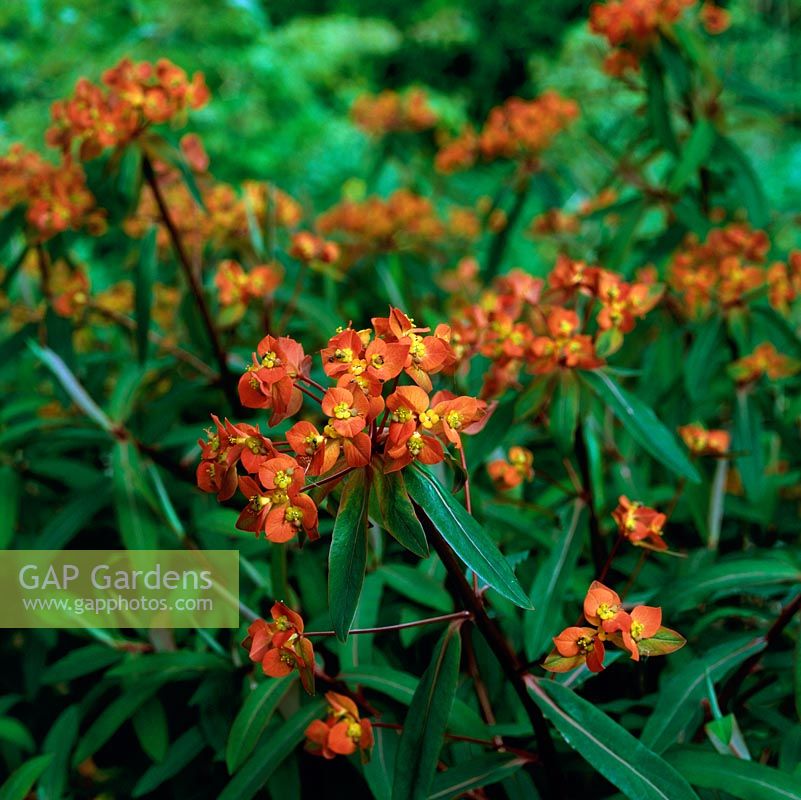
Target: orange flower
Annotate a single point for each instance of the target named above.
(393, 112)
(564, 347)
(714, 18)
(643, 622)
(312, 448)
(764, 361)
(704, 442)
(578, 645)
(269, 381)
(280, 646)
(343, 732)
(639, 524)
(508, 474)
(602, 607)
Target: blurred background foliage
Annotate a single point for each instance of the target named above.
(283, 74)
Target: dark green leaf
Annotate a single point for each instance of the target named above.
(347, 557)
(150, 724)
(464, 534)
(182, 751)
(253, 718)
(59, 742)
(145, 276)
(424, 726)
(397, 514)
(22, 779)
(473, 774)
(694, 154)
(642, 424)
(740, 778)
(256, 771)
(624, 761)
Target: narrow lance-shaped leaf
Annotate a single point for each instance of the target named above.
(183, 750)
(642, 424)
(424, 726)
(624, 761)
(59, 743)
(397, 513)
(145, 276)
(473, 774)
(748, 780)
(464, 534)
(22, 779)
(347, 557)
(253, 718)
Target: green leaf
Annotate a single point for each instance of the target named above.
(729, 576)
(378, 770)
(564, 410)
(150, 724)
(464, 534)
(347, 557)
(400, 686)
(164, 667)
(642, 424)
(473, 774)
(746, 182)
(72, 386)
(748, 780)
(145, 276)
(797, 677)
(182, 751)
(658, 110)
(256, 771)
(424, 725)
(14, 732)
(397, 513)
(10, 501)
(417, 586)
(678, 707)
(80, 662)
(624, 761)
(59, 743)
(704, 355)
(552, 577)
(23, 778)
(747, 440)
(253, 718)
(137, 524)
(694, 154)
(111, 719)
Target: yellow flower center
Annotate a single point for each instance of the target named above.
(637, 629)
(585, 644)
(605, 611)
(417, 349)
(294, 516)
(283, 623)
(282, 479)
(377, 360)
(358, 367)
(402, 415)
(342, 411)
(428, 419)
(415, 444)
(344, 355)
(257, 502)
(312, 442)
(454, 419)
(330, 431)
(355, 731)
(279, 497)
(270, 360)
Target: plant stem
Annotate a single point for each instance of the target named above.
(501, 649)
(227, 380)
(400, 626)
(735, 682)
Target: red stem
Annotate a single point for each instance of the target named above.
(415, 624)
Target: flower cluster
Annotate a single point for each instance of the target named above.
(511, 472)
(393, 112)
(404, 221)
(703, 442)
(638, 631)
(729, 268)
(280, 647)
(414, 424)
(519, 130)
(311, 249)
(520, 323)
(342, 732)
(765, 360)
(132, 97)
(224, 222)
(237, 287)
(638, 523)
(55, 196)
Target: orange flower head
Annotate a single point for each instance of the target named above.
(703, 442)
(640, 524)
